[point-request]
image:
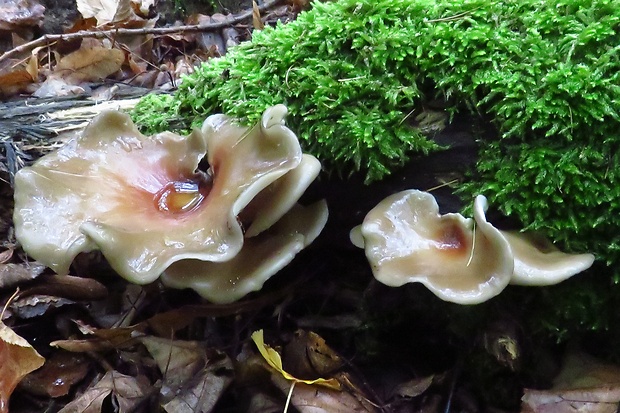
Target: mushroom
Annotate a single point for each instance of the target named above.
(539, 262)
(260, 258)
(407, 240)
(145, 204)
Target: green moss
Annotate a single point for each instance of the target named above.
(157, 113)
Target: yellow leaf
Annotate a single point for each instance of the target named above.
(274, 360)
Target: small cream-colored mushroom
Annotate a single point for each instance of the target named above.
(539, 262)
(260, 258)
(407, 240)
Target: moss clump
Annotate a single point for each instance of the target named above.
(157, 113)
(346, 72)
(352, 72)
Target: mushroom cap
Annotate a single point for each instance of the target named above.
(141, 200)
(407, 240)
(261, 257)
(278, 198)
(539, 262)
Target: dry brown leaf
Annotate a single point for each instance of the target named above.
(256, 19)
(67, 286)
(413, 387)
(584, 384)
(60, 371)
(315, 399)
(106, 339)
(307, 356)
(105, 11)
(144, 8)
(194, 377)
(128, 392)
(54, 86)
(14, 80)
(13, 274)
(17, 358)
(6, 255)
(36, 305)
(15, 14)
(177, 360)
(90, 64)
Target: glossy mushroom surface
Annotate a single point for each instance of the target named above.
(261, 257)
(460, 260)
(539, 262)
(142, 200)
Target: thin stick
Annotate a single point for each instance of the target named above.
(290, 396)
(473, 245)
(8, 302)
(99, 34)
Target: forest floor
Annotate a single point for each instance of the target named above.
(109, 345)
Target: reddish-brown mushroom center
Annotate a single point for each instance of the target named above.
(452, 238)
(183, 196)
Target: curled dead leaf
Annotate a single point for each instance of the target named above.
(194, 377)
(60, 371)
(307, 356)
(584, 384)
(15, 14)
(256, 19)
(13, 274)
(127, 391)
(67, 286)
(105, 11)
(17, 358)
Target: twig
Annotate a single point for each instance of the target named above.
(99, 34)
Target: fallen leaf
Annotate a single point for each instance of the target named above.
(14, 80)
(6, 255)
(127, 391)
(105, 339)
(90, 64)
(60, 371)
(13, 274)
(312, 399)
(584, 384)
(413, 387)
(177, 360)
(67, 286)
(15, 14)
(193, 377)
(308, 356)
(256, 20)
(144, 8)
(17, 358)
(36, 305)
(54, 86)
(105, 11)
(275, 361)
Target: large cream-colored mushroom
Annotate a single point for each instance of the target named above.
(142, 200)
(406, 239)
